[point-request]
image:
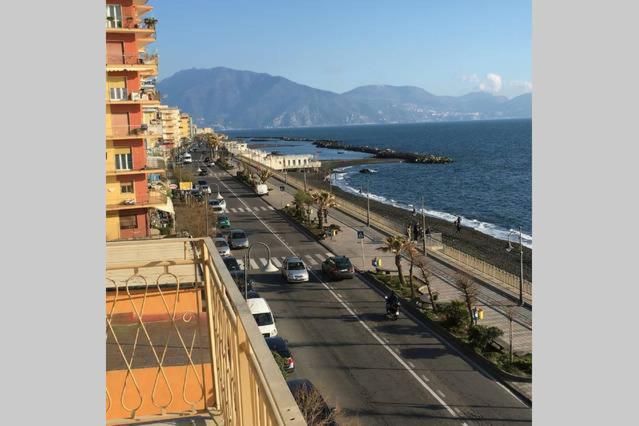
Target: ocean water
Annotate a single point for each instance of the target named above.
(489, 184)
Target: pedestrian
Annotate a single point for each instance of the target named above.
(428, 230)
(458, 223)
(325, 215)
(475, 315)
(415, 231)
(408, 232)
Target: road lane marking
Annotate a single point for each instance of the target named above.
(263, 261)
(271, 208)
(276, 261)
(386, 339)
(264, 208)
(363, 324)
(329, 254)
(253, 264)
(310, 260)
(320, 257)
(234, 210)
(426, 379)
(411, 364)
(240, 209)
(441, 393)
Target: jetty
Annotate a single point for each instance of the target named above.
(410, 157)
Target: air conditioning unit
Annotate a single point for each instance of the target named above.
(135, 96)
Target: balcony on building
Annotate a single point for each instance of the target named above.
(181, 343)
(151, 199)
(133, 131)
(122, 96)
(144, 63)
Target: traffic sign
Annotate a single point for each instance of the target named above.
(360, 235)
(282, 188)
(173, 186)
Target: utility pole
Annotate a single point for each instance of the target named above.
(521, 271)
(424, 227)
(368, 201)
(206, 213)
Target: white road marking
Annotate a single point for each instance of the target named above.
(411, 364)
(253, 264)
(426, 379)
(386, 340)
(320, 257)
(263, 261)
(329, 254)
(240, 209)
(234, 210)
(271, 208)
(363, 324)
(276, 261)
(441, 393)
(310, 260)
(264, 208)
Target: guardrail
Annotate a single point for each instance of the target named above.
(508, 281)
(182, 342)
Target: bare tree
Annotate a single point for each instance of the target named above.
(469, 289)
(426, 275)
(411, 251)
(313, 407)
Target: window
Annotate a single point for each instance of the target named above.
(123, 161)
(129, 222)
(126, 188)
(114, 15)
(117, 93)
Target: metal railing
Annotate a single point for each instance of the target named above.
(502, 278)
(181, 340)
(132, 59)
(141, 130)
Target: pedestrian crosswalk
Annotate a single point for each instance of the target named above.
(249, 209)
(311, 260)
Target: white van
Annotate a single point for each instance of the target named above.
(261, 189)
(187, 158)
(263, 316)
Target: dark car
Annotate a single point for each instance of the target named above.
(280, 345)
(207, 159)
(252, 294)
(203, 173)
(234, 268)
(202, 182)
(320, 412)
(338, 267)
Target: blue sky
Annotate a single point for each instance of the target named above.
(448, 47)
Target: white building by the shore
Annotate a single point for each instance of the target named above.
(275, 162)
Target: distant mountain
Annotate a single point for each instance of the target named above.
(227, 98)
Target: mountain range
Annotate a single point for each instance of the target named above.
(230, 99)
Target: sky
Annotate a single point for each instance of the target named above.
(447, 47)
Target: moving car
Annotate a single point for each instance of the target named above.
(205, 188)
(217, 205)
(338, 267)
(303, 390)
(294, 270)
(201, 182)
(261, 189)
(263, 316)
(222, 247)
(187, 159)
(238, 239)
(280, 346)
(252, 294)
(236, 271)
(223, 222)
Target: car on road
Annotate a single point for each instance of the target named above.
(338, 267)
(317, 413)
(261, 189)
(234, 268)
(222, 247)
(263, 316)
(205, 188)
(279, 345)
(203, 173)
(202, 182)
(217, 205)
(186, 159)
(223, 222)
(238, 239)
(252, 294)
(294, 270)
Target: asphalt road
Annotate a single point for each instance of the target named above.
(375, 371)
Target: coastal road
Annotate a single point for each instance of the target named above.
(374, 371)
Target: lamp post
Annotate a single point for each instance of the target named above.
(424, 227)
(247, 258)
(521, 264)
(218, 196)
(368, 200)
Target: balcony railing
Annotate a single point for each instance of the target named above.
(182, 342)
(133, 130)
(132, 59)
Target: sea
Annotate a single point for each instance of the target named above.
(489, 184)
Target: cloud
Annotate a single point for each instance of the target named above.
(495, 84)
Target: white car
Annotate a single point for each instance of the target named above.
(263, 316)
(222, 247)
(294, 270)
(218, 205)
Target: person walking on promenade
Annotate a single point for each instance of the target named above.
(458, 223)
(415, 231)
(408, 232)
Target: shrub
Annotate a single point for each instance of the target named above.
(455, 315)
(480, 337)
(281, 363)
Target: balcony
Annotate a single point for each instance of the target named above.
(145, 63)
(153, 199)
(181, 342)
(143, 97)
(149, 170)
(133, 131)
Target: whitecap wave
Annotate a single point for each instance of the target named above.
(496, 231)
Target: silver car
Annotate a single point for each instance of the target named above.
(238, 239)
(222, 247)
(294, 270)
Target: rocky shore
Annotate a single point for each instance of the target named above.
(409, 157)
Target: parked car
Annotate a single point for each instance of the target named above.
(338, 267)
(210, 163)
(222, 247)
(294, 270)
(301, 390)
(207, 159)
(223, 222)
(280, 346)
(252, 294)
(218, 206)
(263, 316)
(238, 239)
(203, 173)
(261, 189)
(234, 268)
(201, 182)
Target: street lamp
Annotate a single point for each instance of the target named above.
(247, 258)
(218, 196)
(368, 201)
(521, 264)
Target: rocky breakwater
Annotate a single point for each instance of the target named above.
(409, 157)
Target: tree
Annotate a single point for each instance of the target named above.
(469, 290)
(395, 244)
(263, 175)
(411, 251)
(302, 200)
(313, 406)
(480, 337)
(324, 201)
(426, 275)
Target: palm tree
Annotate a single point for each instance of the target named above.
(395, 244)
(264, 175)
(301, 201)
(324, 201)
